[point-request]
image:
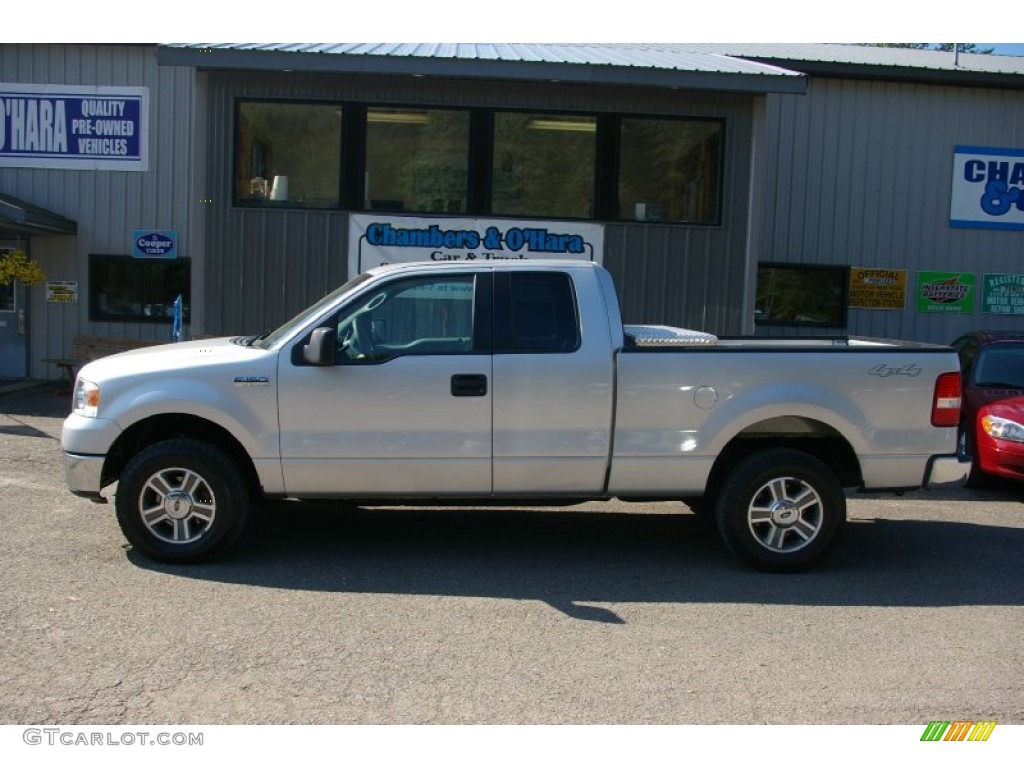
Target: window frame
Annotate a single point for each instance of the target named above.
(481, 314)
(595, 191)
(286, 205)
(96, 315)
(504, 343)
(613, 191)
(842, 273)
(364, 205)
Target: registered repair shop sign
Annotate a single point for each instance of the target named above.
(154, 244)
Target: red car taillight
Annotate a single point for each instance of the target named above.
(947, 400)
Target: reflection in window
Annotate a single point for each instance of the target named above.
(418, 316)
(137, 290)
(788, 294)
(543, 165)
(417, 160)
(288, 154)
(669, 170)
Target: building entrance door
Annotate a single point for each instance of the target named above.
(13, 325)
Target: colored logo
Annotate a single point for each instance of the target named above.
(154, 244)
(946, 291)
(958, 730)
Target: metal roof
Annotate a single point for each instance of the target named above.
(622, 64)
(873, 61)
(18, 218)
(753, 67)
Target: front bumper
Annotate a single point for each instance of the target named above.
(1003, 458)
(947, 471)
(86, 443)
(84, 475)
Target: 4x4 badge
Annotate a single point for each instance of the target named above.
(885, 371)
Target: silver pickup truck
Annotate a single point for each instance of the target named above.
(497, 381)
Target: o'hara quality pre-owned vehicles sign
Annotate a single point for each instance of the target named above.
(74, 127)
(375, 240)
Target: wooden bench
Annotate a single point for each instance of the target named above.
(85, 349)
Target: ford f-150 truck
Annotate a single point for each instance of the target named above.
(507, 382)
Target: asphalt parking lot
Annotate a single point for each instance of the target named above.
(602, 613)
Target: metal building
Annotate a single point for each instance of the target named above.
(830, 163)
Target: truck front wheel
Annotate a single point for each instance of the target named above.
(781, 510)
(181, 501)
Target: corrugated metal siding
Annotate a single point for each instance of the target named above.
(107, 205)
(859, 173)
(264, 266)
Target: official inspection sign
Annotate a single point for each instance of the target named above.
(878, 288)
(74, 127)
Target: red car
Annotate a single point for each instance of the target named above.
(992, 422)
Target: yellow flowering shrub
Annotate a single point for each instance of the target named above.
(16, 265)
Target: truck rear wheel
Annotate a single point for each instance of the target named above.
(781, 510)
(181, 501)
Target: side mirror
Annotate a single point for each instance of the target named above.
(322, 347)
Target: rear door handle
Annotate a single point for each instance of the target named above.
(469, 385)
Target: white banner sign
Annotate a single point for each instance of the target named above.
(988, 188)
(388, 239)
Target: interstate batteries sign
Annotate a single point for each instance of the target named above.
(74, 127)
(951, 292)
(376, 240)
(988, 188)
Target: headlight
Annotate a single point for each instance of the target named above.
(86, 401)
(1004, 429)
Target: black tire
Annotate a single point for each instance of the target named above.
(181, 501)
(781, 510)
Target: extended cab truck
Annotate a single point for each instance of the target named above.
(436, 383)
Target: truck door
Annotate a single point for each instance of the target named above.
(553, 394)
(406, 409)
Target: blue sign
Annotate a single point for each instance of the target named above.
(73, 127)
(988, 188)
(154, 244)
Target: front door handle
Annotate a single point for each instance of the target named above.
(469, 385)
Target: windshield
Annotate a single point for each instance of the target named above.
(268, 340)
(1000, 367)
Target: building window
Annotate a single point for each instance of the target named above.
(417, 160)
(7, 300)
(288, 154)
(458, 161)
(543, 165)
(791, 294)
(137, 290)
(669, 170)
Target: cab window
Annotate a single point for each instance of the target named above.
(414, 316)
